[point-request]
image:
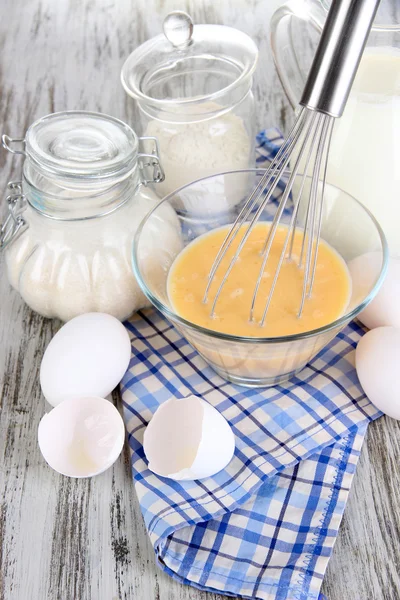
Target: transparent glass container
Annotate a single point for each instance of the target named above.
(193, 87)
(365, 151)
(71, 219)
(261, 361)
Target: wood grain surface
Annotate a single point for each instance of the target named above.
(65, 539)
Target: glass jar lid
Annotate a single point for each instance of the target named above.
(78, 145)
(189, 63)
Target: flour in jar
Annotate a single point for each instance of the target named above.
(196, 149)
(66, 268)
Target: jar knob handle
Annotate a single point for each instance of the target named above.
(178, 29)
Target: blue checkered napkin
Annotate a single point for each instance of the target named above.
(264, 527)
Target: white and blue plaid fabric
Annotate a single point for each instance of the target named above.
(264, 527)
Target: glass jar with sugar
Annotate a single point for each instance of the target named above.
(71, 220)
(193, 87)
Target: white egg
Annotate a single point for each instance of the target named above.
(88, 356)
(81, 437)
(377, 364)
(188, 439)
(384, 309)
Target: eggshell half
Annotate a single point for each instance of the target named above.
(188, 439)
(81, 437)
(377, 364)
(88, 356)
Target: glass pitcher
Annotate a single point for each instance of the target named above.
(364, 157)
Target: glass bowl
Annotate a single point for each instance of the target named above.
(212, 202)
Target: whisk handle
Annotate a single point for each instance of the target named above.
(338, 55)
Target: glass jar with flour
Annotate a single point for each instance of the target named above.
(71, 219)
(193, 86)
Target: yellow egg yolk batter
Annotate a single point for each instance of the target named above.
(188, 279)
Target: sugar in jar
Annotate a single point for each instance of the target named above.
(72, 217)
(193, 88)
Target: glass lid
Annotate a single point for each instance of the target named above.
(82, 145)
(188, 63)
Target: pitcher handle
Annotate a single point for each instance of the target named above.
(292, 78)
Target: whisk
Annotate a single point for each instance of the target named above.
(324, 98)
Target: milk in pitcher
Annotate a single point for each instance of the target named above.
(364, 157)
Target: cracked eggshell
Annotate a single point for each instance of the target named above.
(81, 437)
(188, 439)
(88, 356)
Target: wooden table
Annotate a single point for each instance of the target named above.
(66, 539)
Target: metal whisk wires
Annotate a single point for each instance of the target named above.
(307, 146)
(311, 134)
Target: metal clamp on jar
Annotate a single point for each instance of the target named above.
(193, 89)
(71, 220)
